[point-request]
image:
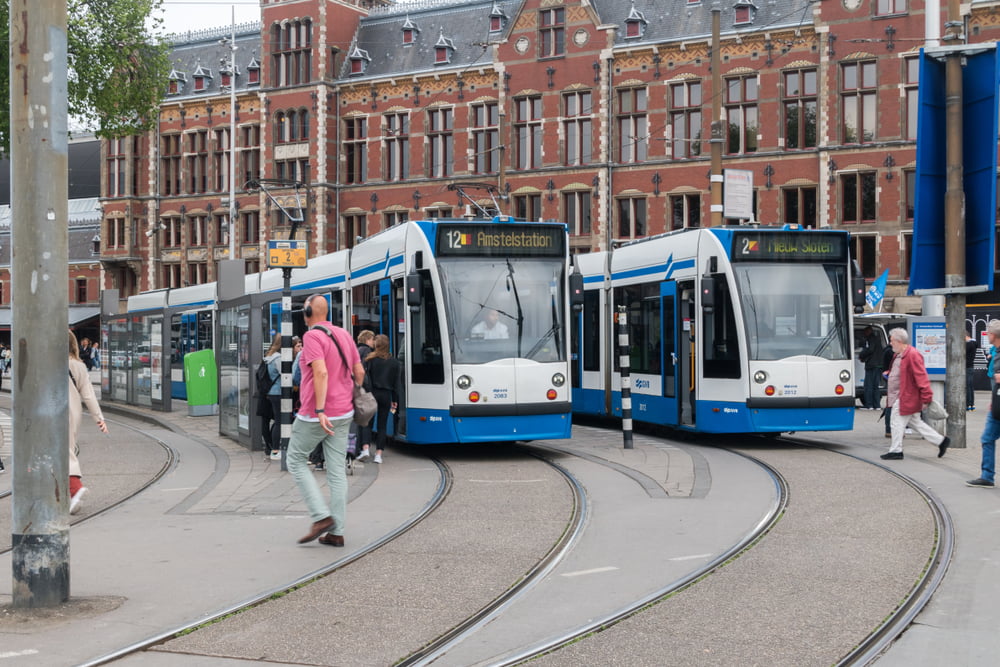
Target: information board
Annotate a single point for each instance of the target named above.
(791, 246)
(474, 239)
(287, 254)
(929, 335)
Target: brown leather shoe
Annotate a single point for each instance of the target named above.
(318, 528)
(332, 540)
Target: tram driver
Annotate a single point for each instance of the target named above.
(490, 327)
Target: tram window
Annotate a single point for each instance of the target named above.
(643, 306)
(425, 337)
(591, 331)
(721, 339)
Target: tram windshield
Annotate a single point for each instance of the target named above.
(502, 308)
(794, 309)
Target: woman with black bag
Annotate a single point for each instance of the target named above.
(270, 391)
(383, 371)
(364, 433)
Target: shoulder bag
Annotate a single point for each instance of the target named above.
(365, 404)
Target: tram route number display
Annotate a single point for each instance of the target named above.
(789, 247)
(287, 254)
(504, 241)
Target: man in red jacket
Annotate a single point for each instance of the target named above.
(909, 393)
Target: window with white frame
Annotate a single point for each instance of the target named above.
(528, 207)
(912, 66)
(890, 7)
(741, 114)
(486, 138)
(393, 218)
(577, 211)
(397, 146)
(552, 33)
(858, 197)
(858, 99)
(355, 150)
(577, 127)
(799, 206)
(441, 141)
(631, 217)
(115, 176)
(528, 131)
(633, 125)
(685, 211)
(685, 119)
(800, 107)
(864, 249)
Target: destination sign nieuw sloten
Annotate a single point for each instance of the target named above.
(501, 240)
(757, 246)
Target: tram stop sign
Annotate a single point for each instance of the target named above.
(980, 80)
(287, 254)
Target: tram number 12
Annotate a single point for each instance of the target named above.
(458, 240)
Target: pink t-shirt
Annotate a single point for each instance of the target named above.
(340, 382)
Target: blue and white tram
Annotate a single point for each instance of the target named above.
(477, 311)
(731, 330)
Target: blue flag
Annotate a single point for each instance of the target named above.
(877, 290)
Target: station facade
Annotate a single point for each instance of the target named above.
(592, 112)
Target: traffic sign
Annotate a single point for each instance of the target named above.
(287, 254)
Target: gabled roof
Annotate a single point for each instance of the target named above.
(677, 20)
(190, 50)
(466, 22)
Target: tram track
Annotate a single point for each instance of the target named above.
(442, 491)
(745, 542)
(438, 647)
(896, 623)
(167, 464)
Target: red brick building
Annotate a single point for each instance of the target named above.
(593, 112)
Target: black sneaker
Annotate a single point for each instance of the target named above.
(892, 456)
(943, 447)
(980, 483)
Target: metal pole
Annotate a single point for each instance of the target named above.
(39, 190)
(954, 234)
(626, 376)
(232, 139)
(717, 123)
(286, 364)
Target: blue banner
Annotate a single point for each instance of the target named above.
(980, 81)
(877, 290)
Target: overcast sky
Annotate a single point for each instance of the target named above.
(179, 16)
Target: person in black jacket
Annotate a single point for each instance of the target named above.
(888, 355)
(971, 346)
(365, 341)
(871, 354)
(383, 370)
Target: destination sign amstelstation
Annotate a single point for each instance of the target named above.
(501, 240)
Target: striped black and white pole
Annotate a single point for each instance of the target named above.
(286, 365)
(626, 377)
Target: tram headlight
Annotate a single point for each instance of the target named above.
(760, 377)
(845, 375)
(558, 379)
(463, 382)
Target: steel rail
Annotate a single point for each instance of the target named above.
(171, 458)
(581, 512)
(444, 486)
(762, 527)
(876, 643)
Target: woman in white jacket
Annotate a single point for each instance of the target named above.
(80, 391)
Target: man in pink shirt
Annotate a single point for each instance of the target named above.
(327, 396)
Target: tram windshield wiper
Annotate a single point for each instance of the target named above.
(512, 284)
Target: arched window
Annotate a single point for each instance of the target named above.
(279, 127)
(303, 125)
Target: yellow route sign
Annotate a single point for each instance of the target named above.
(287, 254)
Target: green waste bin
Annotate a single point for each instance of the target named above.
(201, 380)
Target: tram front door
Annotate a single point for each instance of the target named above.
(684, 332)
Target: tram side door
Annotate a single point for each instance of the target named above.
(684, 330)
(392, 324)
(670, 360)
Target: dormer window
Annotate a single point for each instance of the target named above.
(497, 18)
(443, 50)
(225, 76)
(176, 82)
(635, 24)
(253, 71)
(202, 75)
(743, 12)
(410, 31)
(359, 59)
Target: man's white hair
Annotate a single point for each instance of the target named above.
(901, 335)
